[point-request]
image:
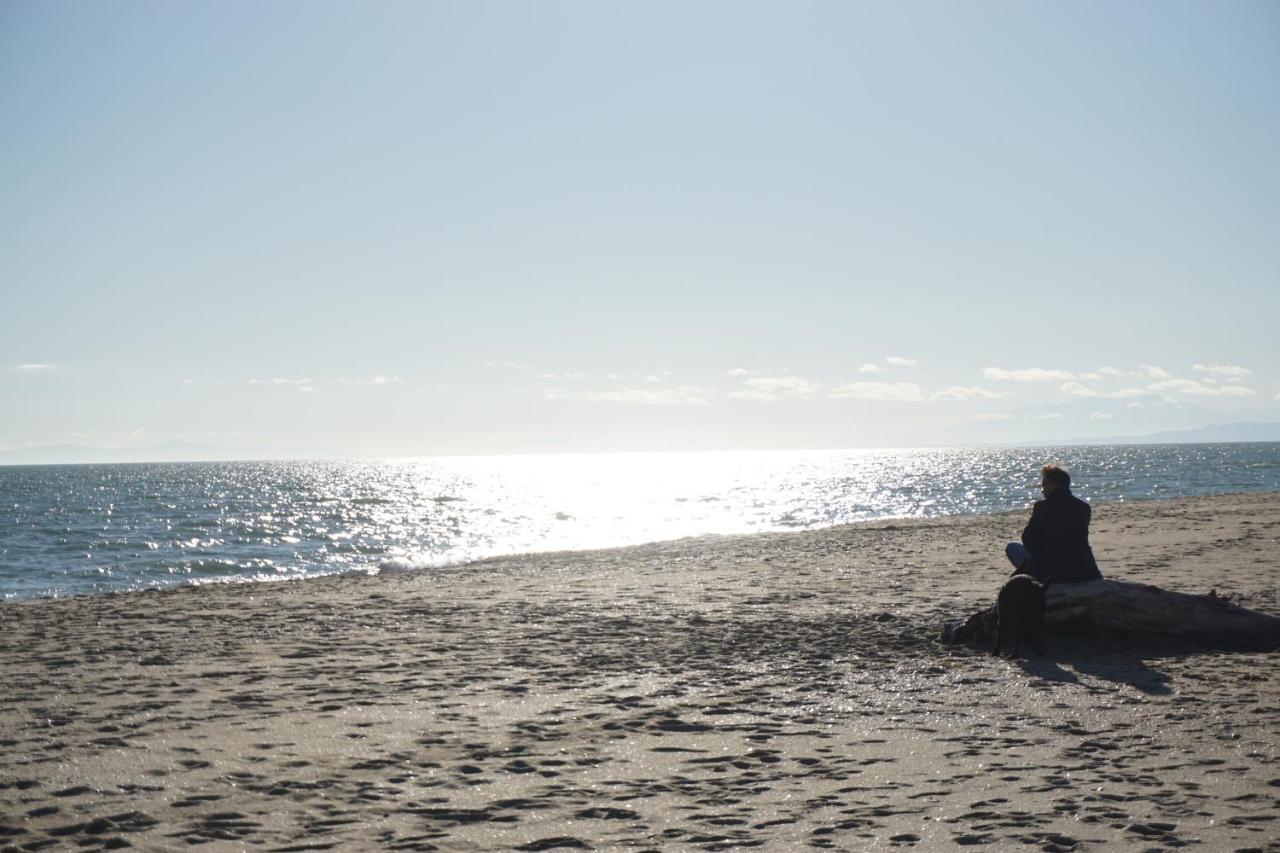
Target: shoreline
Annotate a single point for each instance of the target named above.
(381, 570)
(785, 689)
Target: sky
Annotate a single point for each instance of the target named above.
(438, 228)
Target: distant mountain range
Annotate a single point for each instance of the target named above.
(169, 451)
(1217, 433)
(177, 451)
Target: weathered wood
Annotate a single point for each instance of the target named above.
(1120, 608)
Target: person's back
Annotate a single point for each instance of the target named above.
(1056, 539)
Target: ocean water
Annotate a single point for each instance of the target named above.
(84, 529)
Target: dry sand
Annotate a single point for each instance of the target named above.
(785, 691)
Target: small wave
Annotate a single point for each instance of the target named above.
(420, 562)
(208, 566)
(213, 566)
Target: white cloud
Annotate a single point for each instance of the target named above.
(279, 381)
(381, 380)
(1028, 374)
(1200, 389)
(1101, 416)
(27, 367)
(683, 395)
(871, 368)
(771, 388)
(1149, 372)
(565, 376)
(188, 382)
(652, 378)
(1224, 370)
(738, 371)
(1079, 389)
(139, 434)
(967, 392)
(1110, 372)
(904, 392)
(899, 361)
(1052, 416)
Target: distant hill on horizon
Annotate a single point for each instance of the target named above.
(177, 451)
(169, 451)
(1213, 434)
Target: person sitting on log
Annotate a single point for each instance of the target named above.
(1055, 542)
(1054, 546)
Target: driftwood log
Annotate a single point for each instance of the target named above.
(1110, 608)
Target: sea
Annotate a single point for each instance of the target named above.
(91, 529)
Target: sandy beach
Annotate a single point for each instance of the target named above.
(785, 691)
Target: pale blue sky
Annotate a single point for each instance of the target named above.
(588, 225)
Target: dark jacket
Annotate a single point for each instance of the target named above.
(1058, 538)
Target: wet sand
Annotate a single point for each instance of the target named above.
(783, 691)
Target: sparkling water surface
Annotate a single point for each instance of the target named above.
(80, 529)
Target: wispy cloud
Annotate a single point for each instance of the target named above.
(770, 388)
(871, 368)
(1200, 389)
(134, 435)
(684, 395)
(305, 385)
(1148, 372)
(32, 367)
(968, 392)
(900, 361)
(1028, 374)
(1101, 416)
(775, 388)
(377, 379)
(903, 392)
(1230, 371)
(739, 371)
(1079, 389)
(1163, 386)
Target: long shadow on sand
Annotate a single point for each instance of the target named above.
(1123, 660)
(1118, 661)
